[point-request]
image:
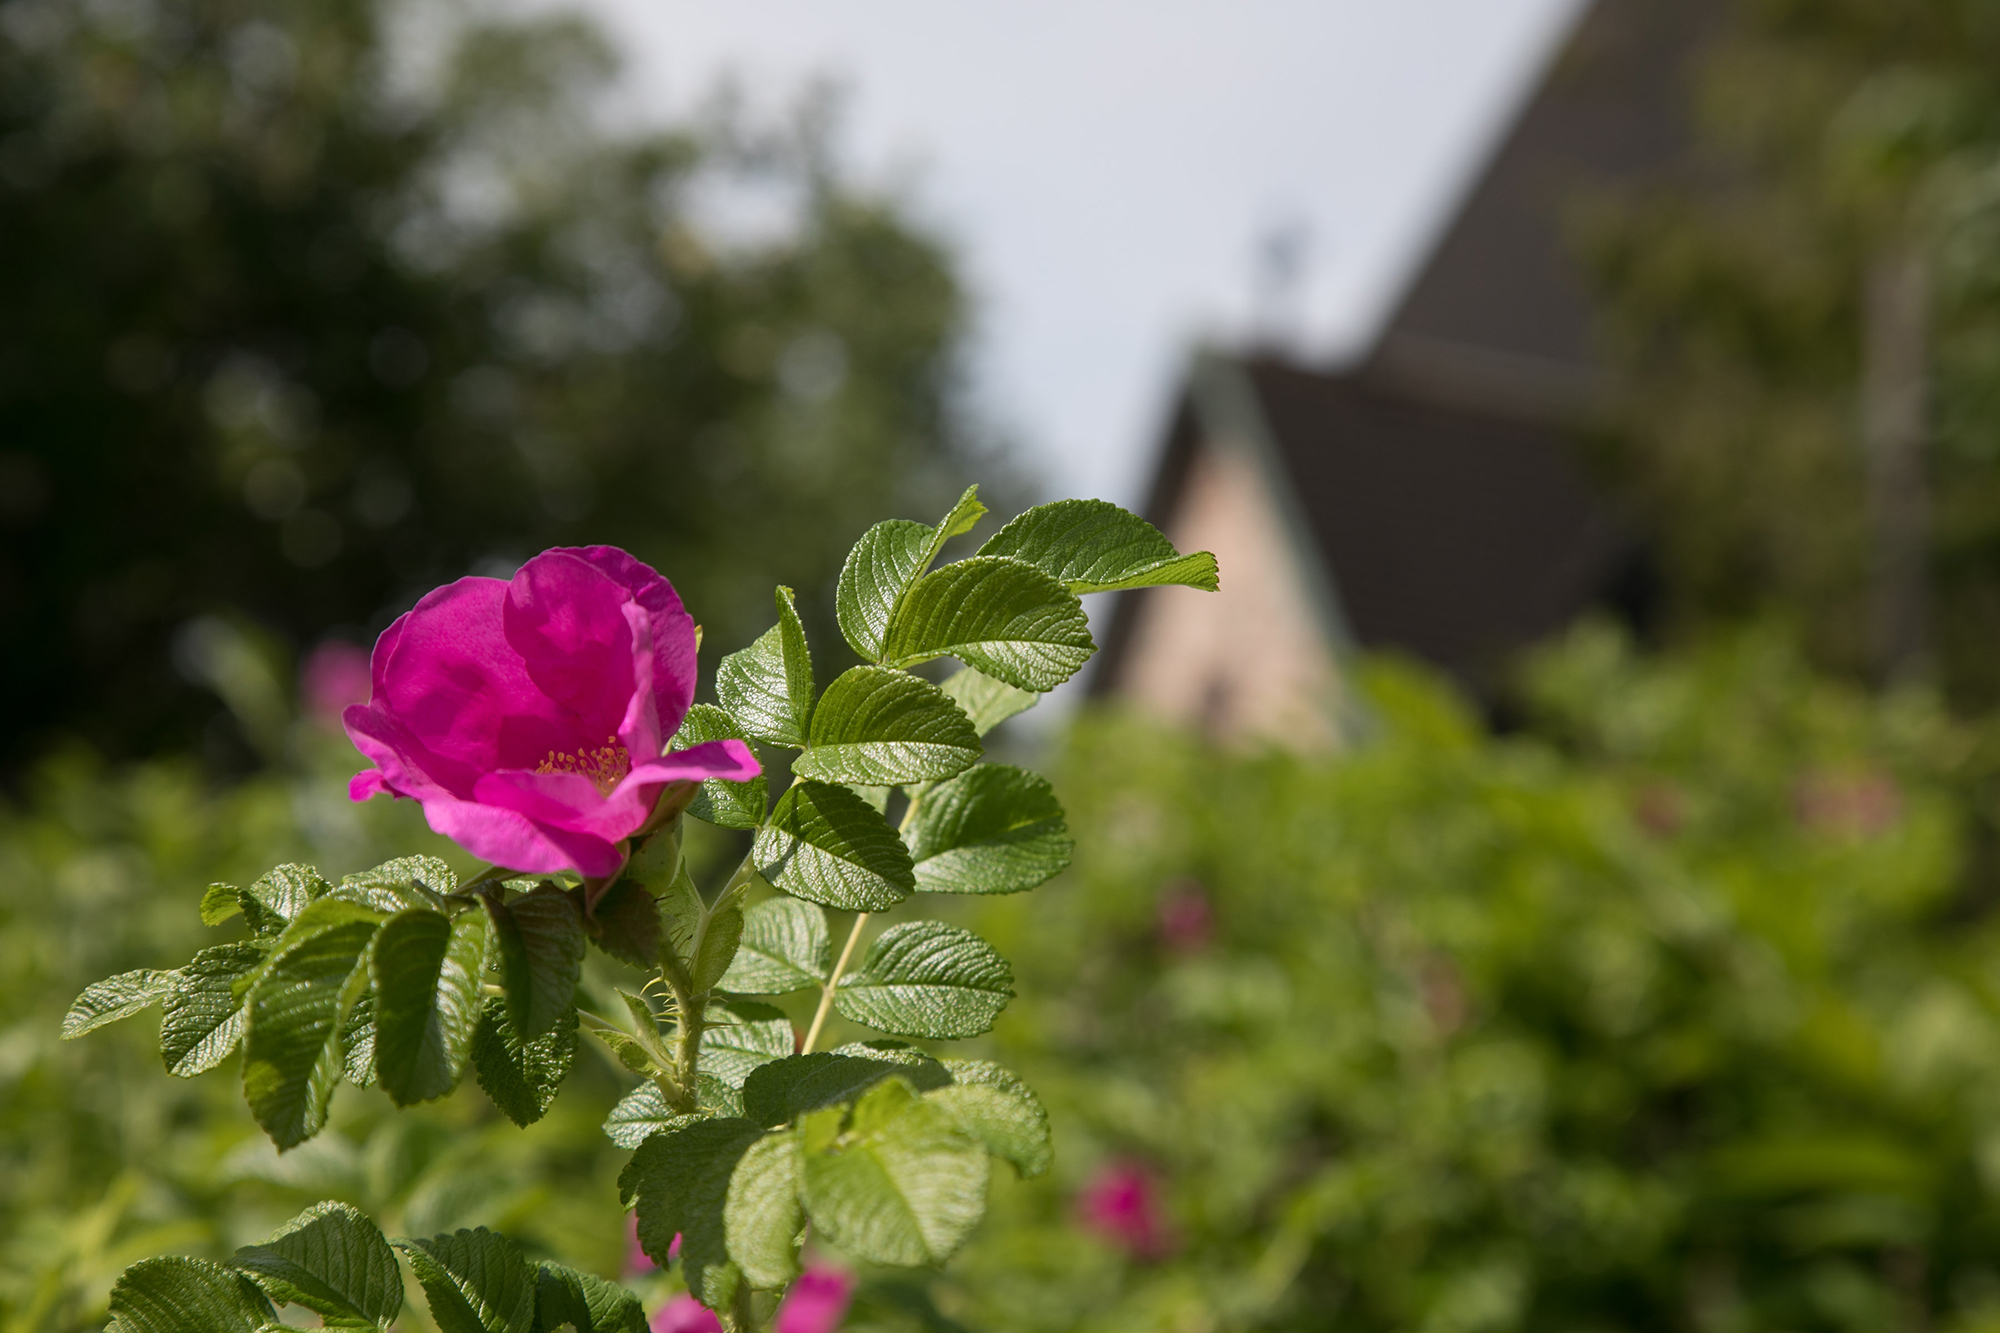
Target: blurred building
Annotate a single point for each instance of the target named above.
(1427, 499)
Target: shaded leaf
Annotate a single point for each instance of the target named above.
(716, 940)
(584, 1302)
(539, 936)
(521, 1077)
(640, 1114)
(826, 845)
(114, 998)
(927, 979)
(991, 829)
(426, 970)
(877, 726)
(679, 1181)
(785, 947)
(626, 924)
(739, 805)
(1008, 619)
(332, 1260)
(476, 1281)
(1094, 546)
(779, 1092)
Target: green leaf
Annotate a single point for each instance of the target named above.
(680, 1180)
(716, 940)
(991, 829)
(880, 568)
(114, 998)
(927, 979)
(584, 1302)
(219, 902)
(1094, 546)
(426, 970)
(876, 726)
(291, 1044)
(785, 947)
(739, 805)
(416, 881)
(332, 1260)
(761, 1214)
(279, 897)
(541, 945)
(740, 1036)
(1004, 617)
(779, 1092)
(994, 1106)
(177, 1295)
(477, 1282)
(201, 1019)
(640, 1114)
(521, 1078)
(768, 687)
(825, 844)
(357, 1042)
(626, 924)
(893, 1180)
(988, 702)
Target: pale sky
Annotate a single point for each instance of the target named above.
(1107, 169)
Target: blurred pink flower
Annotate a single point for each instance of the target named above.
(529, 716)
(1186, 921)
(1854, 805)
(636, 1258)
(1121, 1203)
(334, 675)
(816, 1302)
(684, 1314)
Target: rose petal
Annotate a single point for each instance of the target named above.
(368, 782)
(511, 839)
(673, 628)
(566, 619)
(816, 1302)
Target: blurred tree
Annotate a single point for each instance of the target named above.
(1807, 309)
(296, 331)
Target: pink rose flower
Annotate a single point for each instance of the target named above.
(816, 1302)
(529, 716)
(334, 675)
(684, 1314)
(1121, 1203)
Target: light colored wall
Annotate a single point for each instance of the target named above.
(1248, 663)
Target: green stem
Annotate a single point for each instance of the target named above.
(826, 992)
(743, 1308)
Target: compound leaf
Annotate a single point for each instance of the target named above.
(927, 979)
(1094, 546)
(827, 845)
(740, 1036)
(988, 702)
(1005, 617)
(991, 829)
(997, 1108)
(426, 970)
(584, 1302)
(640, 1114)
(874, 726)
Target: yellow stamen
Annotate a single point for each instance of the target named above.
(605, 766)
